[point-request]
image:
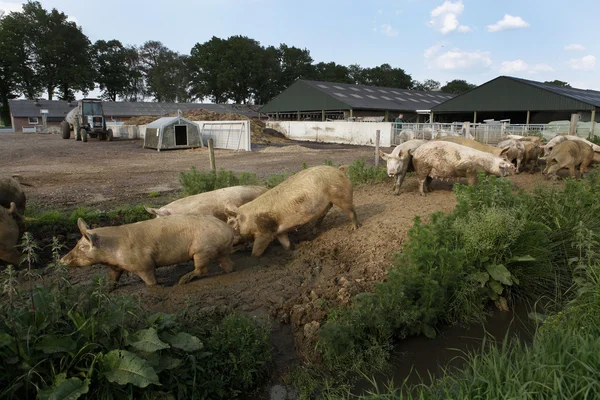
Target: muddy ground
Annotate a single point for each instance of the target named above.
(294, 289)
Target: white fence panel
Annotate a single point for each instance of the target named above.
(232, 135)
(344, 132)
(125, 131)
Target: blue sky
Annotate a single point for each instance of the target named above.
(475, 40)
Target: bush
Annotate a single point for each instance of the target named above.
(195, 181)
(497, 244)
(360, 173)
(64, 342)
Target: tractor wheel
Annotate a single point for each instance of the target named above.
(109, 135)
(84, 135)
(77, 131)
(65, 130)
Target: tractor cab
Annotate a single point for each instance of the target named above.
(92, 116)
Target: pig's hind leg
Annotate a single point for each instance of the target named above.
(201, 262)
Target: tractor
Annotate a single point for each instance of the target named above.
(87, 119)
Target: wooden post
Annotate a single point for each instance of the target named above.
(387, 116)
(211, 155)
(593, 131)
(528, 116)
(350, 113)
(573, 125)
(298, 115)
(377, 137)
(474, 117)
(322, 115)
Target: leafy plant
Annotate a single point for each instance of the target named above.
(194, 181)
(360, 173)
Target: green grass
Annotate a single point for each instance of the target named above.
(153, 194)
(497, 245)
(359, 173)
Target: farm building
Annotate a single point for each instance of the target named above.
(168, 133)
(25, 115)
(520, 100)
(308, 100)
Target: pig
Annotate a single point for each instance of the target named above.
(210, 203)
(140, 247)
(532, 153)
(561, 138)
(474, 144)
(399, 162)
(11, 191)
(516, 151)
(443, 160)
(9, 235)
(568, 154)
(302, 198)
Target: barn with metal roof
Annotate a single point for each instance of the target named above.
(27, 113)
(520, 100)
(320, 101)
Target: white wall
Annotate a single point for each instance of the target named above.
(358, 133)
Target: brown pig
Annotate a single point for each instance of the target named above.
(474, 144)
(302, 198)
(9, 235)
(210, 203)
(11, 191)
(568, 154)
(142, 246)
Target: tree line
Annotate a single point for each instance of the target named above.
(42, 51)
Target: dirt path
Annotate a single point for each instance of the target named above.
(297, 288)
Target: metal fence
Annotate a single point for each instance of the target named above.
(485, 133)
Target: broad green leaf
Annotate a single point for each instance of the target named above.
(499, 273)
(162, 320)
(123, 367)
(481, 277)
(52, 344)
(6, 339)
(496, 287)
(493, 295)
(147, 340)
(167, 362)
(184, 341)
(429, 331)
(522, 259)
(514, 280)
(70, 389)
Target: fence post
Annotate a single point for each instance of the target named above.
(211, 154)
(377, 137)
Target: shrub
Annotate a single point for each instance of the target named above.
(66, 342)
(195, 181)
(360, 173)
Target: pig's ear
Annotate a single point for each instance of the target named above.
(83, 227)
(383, 155)
(230, 209)
(13, 208)
(93, 239)
(504, 151)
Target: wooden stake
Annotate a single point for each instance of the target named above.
(377, 136)
(211, 155)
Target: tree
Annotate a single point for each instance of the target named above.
(428, 85)
(295, 64)
(136, 88)
(558, 83)
(205, 62)
(332, 72)
(357, 74)
(457, 86)
(113, 73)
(166, 72)
(268, 77)
(386, 76)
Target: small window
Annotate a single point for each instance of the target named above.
(33, 120)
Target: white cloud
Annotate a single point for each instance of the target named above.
(457, 59)
(444, 18)
(433, 50)
(574, 47)
(8, 7)
(508, 22)
(509, 67)
(387, 30)
(586, 63)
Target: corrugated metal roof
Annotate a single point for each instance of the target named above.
(164, 121)
(305, 95)
(380, 98)
(506, 93)
(585, 95)
(59, 109)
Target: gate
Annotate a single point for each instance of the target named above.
(232, 135)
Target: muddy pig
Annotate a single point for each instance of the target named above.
(399, 161)
(474, 144)
(447, 160)
(142, 246)
(11, 191)
(9, 235)
(568, 154)
(300, 199)
(210, 203)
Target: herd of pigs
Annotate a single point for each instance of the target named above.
(212, 225)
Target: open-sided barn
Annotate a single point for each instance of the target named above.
(321, 101)
(520, 100)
